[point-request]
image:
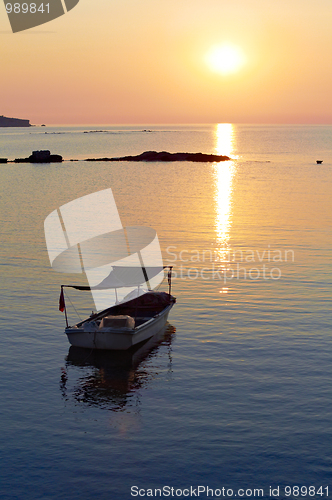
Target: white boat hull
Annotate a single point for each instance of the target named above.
(117, 338)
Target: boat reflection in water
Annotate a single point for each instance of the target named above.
(110, 379)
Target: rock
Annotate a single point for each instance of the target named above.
(165, 156)
(3, 160)
(21, 160)
(43, 156)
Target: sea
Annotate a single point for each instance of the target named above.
(233, 398)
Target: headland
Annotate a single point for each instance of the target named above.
(13, 122)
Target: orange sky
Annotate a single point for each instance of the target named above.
(130, 61)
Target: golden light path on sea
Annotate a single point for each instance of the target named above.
(224, 174)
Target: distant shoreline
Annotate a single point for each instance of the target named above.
(14, 122)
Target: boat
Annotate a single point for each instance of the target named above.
(135, 319)
(110, 379)
(319, 162)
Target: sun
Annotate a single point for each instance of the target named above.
(225, 59)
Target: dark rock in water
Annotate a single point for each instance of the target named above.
(40, 157)
(3, 160)
(165, 156)
(100, 159)
(95, 132)
(319, 161)
(21, 160)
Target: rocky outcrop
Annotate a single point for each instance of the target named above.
(165, 156)
(150, 156)
(40, 157)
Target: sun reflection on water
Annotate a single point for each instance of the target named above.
(224, 173)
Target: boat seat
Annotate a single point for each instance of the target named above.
(123, 321)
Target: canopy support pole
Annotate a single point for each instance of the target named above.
(170, 279)
(66, 317)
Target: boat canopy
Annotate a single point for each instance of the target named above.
(124, 276)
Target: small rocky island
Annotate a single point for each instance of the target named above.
(165, 156)
(43, 156)
(13, 122)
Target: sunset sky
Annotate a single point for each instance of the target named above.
(163, 61)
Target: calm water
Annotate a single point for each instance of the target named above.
(237, 392)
